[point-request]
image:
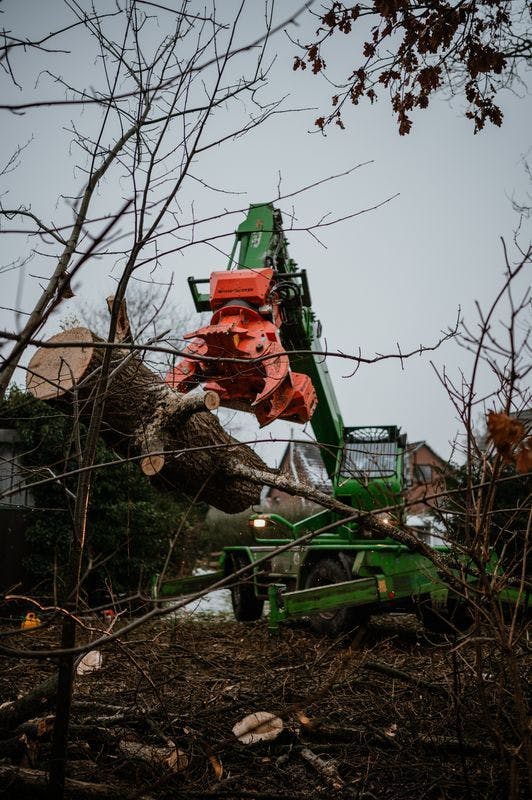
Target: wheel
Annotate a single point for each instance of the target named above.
(247, 607)
(340, 620)
(456, 617)
(460, 614)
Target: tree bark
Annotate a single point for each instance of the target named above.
(31, 704)
(182, 446)
(32, 783)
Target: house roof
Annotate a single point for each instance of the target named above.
(525, 417)
(413, 447)
(302, 462)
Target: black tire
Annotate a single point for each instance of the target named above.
(341, 620)
(455, 618)
(247, 607)
(460, 615)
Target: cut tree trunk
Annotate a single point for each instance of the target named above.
(181, 445)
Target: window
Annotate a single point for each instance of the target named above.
(422, 473)
(369, 459)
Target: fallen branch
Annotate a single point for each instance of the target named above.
(326, 768)
(32, 783)
(393, 672)
(30, 705)
(168, 757)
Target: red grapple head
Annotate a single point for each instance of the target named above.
(239, 354)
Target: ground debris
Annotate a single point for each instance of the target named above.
(179, 687)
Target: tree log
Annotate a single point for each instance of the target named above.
(198, 456)
(31, 704)
(32, 783)
(183, 446)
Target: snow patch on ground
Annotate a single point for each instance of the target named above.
(218, 602)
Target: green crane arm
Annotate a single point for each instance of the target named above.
(261, 242)
(364, 464)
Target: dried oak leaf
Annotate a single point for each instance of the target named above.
(308, 723)
(505, 433)
(216, 764)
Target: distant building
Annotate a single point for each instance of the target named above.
(301, 461)
(14, 511)
(425, 477)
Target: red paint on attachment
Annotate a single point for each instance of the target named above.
(245, 328)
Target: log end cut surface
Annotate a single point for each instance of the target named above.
(54, 371)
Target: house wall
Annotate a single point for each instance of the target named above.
(303, 466)
(424, 478)
(14, 513)
(289, 506)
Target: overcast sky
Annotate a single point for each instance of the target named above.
(395, 275)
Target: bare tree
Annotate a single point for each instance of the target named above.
(150, 122)
(153, 96)
(492, 513)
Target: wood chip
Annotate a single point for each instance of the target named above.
(261, 726)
